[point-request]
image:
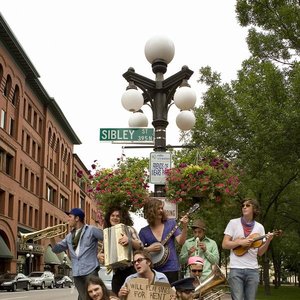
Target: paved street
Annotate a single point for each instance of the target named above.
(47, 294)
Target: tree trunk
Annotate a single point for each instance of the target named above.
(266, 275)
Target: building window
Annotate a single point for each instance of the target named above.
(27, 143)
(63, 203)
(7, 87)
(26, 178)
(15, 99)
(11, 127)
(33, 150)
(39, 154)
(6, 162)
(19, 211)
(29, 114)
(2, 201)
(40, 126)
(36, 218)
(30, 216)
(3, 119)
(32, 182)
(82, 202)
(35, 120)
(37, 187)
(46, 219)
(24, 213)
(9, 164)
(11, 199)
(51, 194)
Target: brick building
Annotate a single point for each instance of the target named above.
(37, 163)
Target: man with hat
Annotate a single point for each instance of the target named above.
(202, 246)
(184, 288)
(82, 245)
(195, 268)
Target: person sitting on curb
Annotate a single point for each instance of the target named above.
(144, 269)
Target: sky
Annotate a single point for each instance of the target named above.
(81, 49)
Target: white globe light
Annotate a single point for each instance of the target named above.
(30, 247)
(132, 100)
(159, 47)
(185, 120)
(185, 98)
(138, 119)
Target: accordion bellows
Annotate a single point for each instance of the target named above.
(116, 255)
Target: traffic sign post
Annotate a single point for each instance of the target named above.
(130, 135)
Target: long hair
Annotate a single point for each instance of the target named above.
(255, 204)
(93, 279)
(124, 215)
(150, 210)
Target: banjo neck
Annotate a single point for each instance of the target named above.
(165, 240)
(191, 210)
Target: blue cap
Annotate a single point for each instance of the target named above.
(184, 284)
(77, 212)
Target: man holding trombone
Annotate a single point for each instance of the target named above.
(82, 244)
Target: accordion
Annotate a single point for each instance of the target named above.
(116, 255)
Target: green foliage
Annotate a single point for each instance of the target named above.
(126, 184)
(275, 28)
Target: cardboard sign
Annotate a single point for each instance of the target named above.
(140, 289)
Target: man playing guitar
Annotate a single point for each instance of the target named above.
(158, 230)
(244, 270)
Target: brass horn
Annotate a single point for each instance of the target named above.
(46, 233)
(205, 289)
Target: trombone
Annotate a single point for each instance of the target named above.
(46, 233)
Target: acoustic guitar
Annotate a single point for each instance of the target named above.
(160, 257)
(257, 242)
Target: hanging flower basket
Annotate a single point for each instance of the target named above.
(214, 180)
(127, 184)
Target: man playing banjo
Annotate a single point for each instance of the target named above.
(161, 228)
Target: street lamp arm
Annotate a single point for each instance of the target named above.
(176, 79)
(141, 81)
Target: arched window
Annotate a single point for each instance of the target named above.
(49, 136)
(15, 99)
(1, 73)
(7, 87)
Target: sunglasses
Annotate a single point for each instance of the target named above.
(196, 271)
(139, 260)
(246, 205)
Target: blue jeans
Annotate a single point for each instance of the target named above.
(243, 283)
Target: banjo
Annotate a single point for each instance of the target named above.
(160, 257)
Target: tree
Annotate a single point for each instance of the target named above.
(275, 28)
(254, 121)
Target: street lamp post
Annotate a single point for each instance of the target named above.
(160, 94)
(30, 257)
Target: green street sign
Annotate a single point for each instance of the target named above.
(130, 135)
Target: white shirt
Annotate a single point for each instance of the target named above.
(249, 259)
